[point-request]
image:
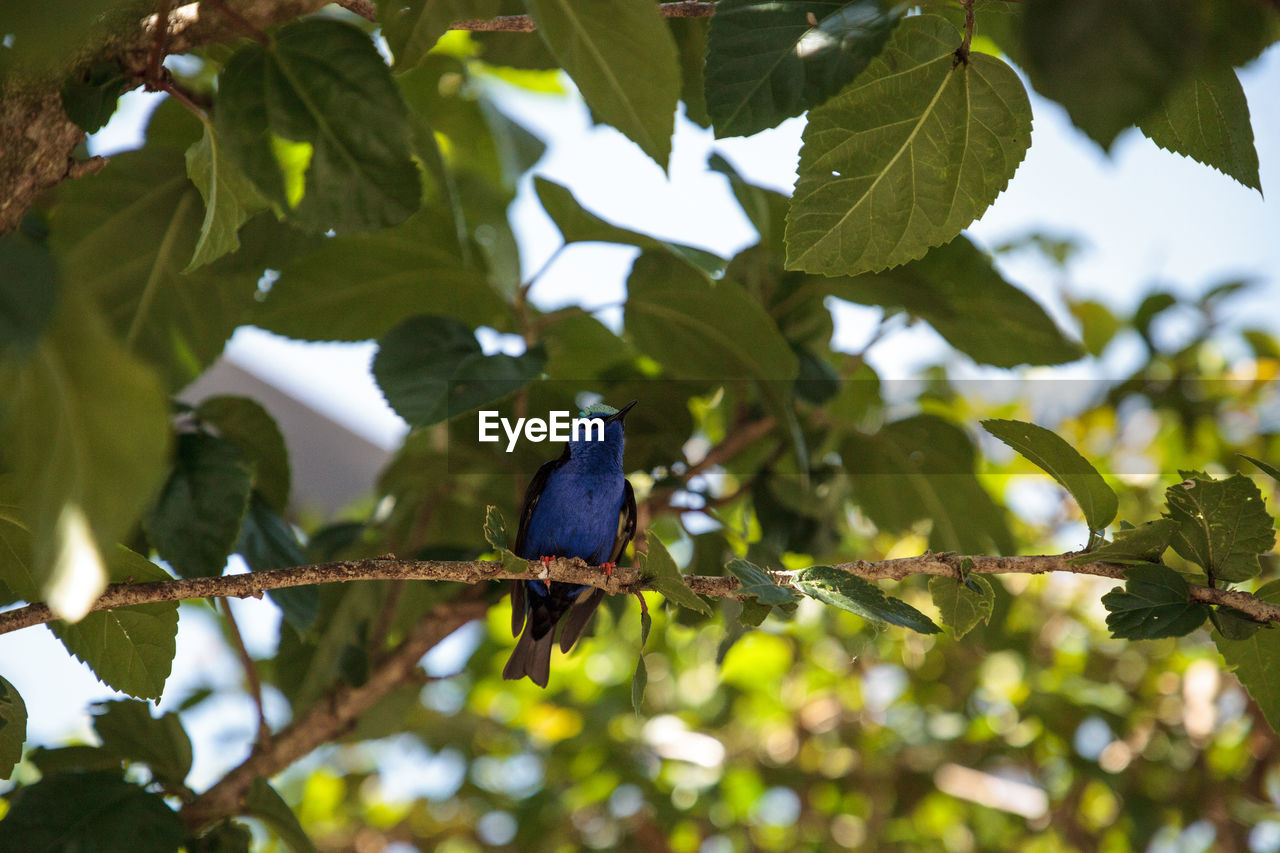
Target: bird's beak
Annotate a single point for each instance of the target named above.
(621, 413)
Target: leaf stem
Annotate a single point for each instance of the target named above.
(250, 671)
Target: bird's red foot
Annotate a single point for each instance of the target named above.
(546, 567)
(608, 569)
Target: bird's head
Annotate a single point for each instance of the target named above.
(600, 417)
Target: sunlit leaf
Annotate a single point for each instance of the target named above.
(1223, 525)
(230, 198)
(907, 155)
(660, 570)
(1062, 462)
(850, 592)
(962, 607)
(1133, 546)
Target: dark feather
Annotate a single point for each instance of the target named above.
(531, 497)
(578, 617)
(517, 607)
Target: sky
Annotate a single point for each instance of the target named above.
(1143, 215)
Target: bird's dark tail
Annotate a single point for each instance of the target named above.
(532, 658)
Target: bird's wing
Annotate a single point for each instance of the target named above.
(531, 497)
(578, 617)
(626, 522)
(518, 607)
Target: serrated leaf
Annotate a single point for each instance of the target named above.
(128, 731)
(578, 225)
(230, 198)
(262, 801)
(1223, 525)
(1256, 660)
(1134, 546)
(1206, 118)
(959, 292)
(907, 155)
(322, 83)
(1270, 470)
(1233, 624)
(495, 533)
(359, 286)
(852, 593)
(623, 59)
(90, 95)
(126, 234)
(13, 726)
(766, 62)
(759, 584)
(196, 519)
(28, 292)
(129, 649)
(96, 811)
(431, 368)
(699, 329)
(961, 606)
(1155, 602)
(268, 542)
(87, 434)
(660, 570)
(1061, 461)
(245, 424)
(640, 680)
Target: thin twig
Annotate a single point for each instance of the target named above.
(364, 8)
(160, 42)
(526, 24)
(623, 580)
(250, 671)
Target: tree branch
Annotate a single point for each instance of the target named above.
(332, 715)
(623, 580)
(525, 24)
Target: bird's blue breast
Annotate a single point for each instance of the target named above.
(576, 516)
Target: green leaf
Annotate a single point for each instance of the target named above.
(129, 649)
(907, 155)
(922, 468)
(578, 225)
(87, 434)
(128, 731)
(766, 63)
(850, 592)
(1206, 118)
(262, 801)
(760, 584)
(196, 519)
(962, 608)
(1233, 624)
(432, 368)
(268, 542)
(960, 293)
(641, 678)
(1155, 602)
(1109, 62)
(1256, 660)
(28, 292)
(62, 759)
(1061, 462)
(1270, 470)
(690, 35)
(13, 726)
(1223, 525)
(623, 59)
(660, 570)
(321, 83)
(96, 811)
(699, 329)
(495, 533)
(90, 95)
(245, 424)
(1134, 546)
(357, 287)
(126, 234)
(230, 198)
(412, 28)
(226, 837)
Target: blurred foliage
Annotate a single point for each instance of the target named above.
(329, 196)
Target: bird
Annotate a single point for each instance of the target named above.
(578, 505)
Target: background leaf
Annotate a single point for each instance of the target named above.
(127, 730)
(907, 155)
(262, 801)
(13, 727)
(230, 198)
(246, 425)
(662, 571)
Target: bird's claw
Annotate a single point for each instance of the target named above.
(608, 569)
(545, 574)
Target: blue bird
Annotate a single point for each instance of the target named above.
(579, 505)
